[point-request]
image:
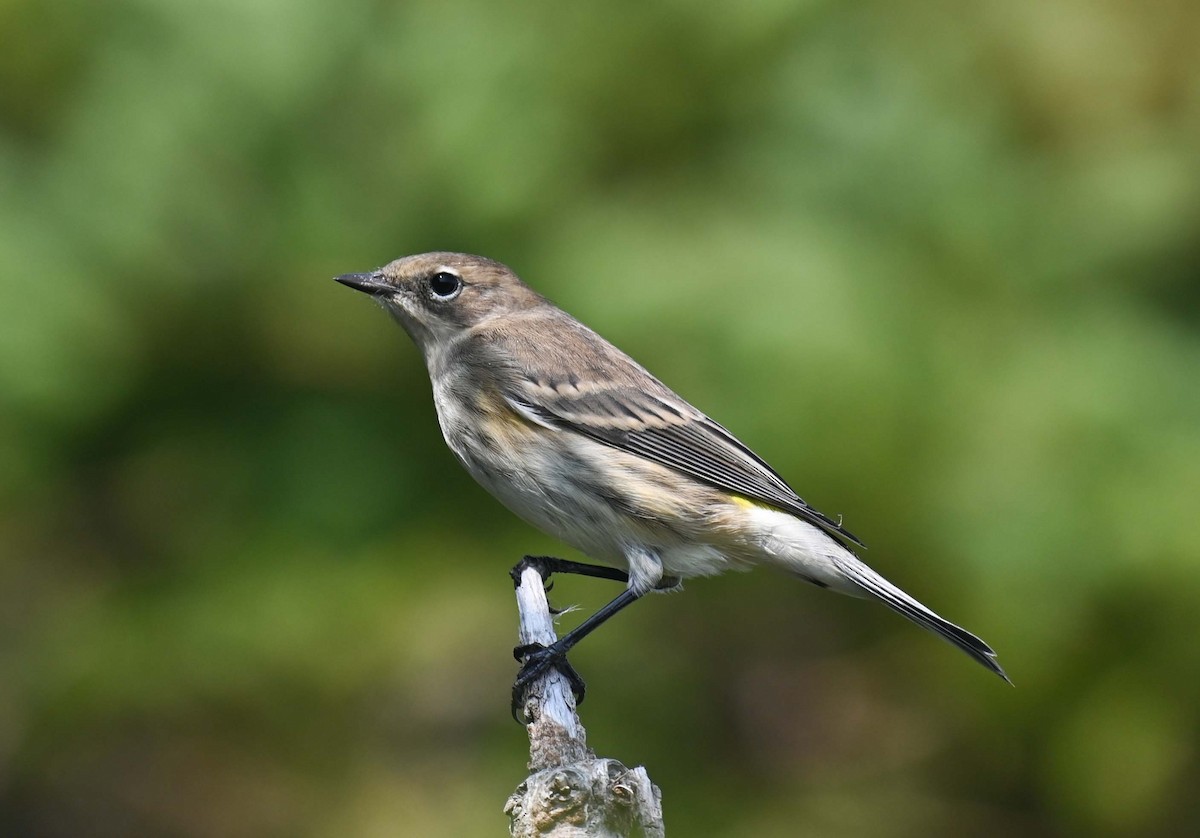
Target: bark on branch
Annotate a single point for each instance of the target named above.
(570, 792)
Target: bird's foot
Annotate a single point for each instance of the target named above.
(536, 660)
(542, 564)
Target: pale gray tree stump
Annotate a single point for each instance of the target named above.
(570, 792)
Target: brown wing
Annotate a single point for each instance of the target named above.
(655, 423)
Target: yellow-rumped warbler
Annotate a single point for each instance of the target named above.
(574, 436)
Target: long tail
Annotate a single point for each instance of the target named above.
(872, 583)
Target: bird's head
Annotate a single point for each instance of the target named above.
(437, 296)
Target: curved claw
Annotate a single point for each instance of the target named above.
(536, 661)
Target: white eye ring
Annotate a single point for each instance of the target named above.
(445, 284)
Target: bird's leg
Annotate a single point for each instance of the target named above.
(535, 658)
(546, 565)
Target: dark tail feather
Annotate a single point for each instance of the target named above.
(894, 598)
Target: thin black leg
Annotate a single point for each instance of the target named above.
(536, 659)
(565, 643)
(547, 565)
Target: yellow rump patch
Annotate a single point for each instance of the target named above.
(746, 503)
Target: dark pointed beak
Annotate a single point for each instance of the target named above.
(367, 283)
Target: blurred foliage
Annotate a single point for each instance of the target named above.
(937, 262)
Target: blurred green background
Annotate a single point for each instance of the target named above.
(937, 262)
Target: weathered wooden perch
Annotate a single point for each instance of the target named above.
(570, 792)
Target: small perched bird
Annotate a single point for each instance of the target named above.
(578, 439)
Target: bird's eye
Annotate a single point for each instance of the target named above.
(445, 285)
